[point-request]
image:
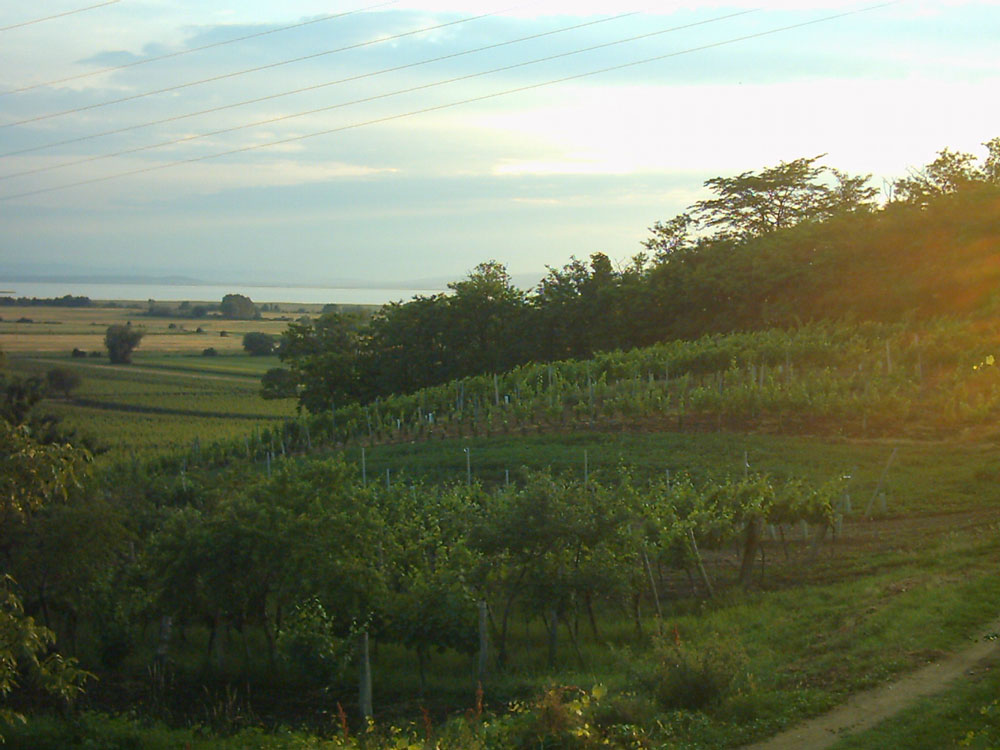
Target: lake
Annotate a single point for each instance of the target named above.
(209, 292)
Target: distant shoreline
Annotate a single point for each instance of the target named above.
(213, 293)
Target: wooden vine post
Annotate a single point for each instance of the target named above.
(364, 677)
(484, 643)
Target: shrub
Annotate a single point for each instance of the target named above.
(78, 353)
(62, 379)
(679, 675)
(258, 343)
(120, 342)
(209, 352)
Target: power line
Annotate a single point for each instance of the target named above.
(314, 87)
(439, 107)
(223, 76)
(375, 97)
(168, 55)
(57, 15)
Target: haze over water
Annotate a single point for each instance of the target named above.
(209, 292)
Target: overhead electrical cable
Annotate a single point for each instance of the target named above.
(304, 89)
(57, 15)
(190, 50)
(374, 97)
(245, 71)
(449, 105)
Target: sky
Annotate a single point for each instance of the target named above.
(319, 142)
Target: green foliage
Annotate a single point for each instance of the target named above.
(950, 172)
(25, 654)
(238, 307)
(120, 342)
(278, 382)
(322, 355)
(687, 676)
(20, 395)
(32, 477)
(753, 204)
(258, 344)
(310, 644)
(789, 244)
(62, 379)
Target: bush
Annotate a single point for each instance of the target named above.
(679, 675)
(278, 382)
(209, 352)
(310, 647)
(62, 379)
(238, 307)
(78, 353)
(121, 341)
(258, 344)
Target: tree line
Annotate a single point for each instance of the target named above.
(786, 245)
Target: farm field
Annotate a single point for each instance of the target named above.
(58, 330)
(161, 402)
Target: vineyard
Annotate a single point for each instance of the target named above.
(869, 381)
(156, 406)
(693, 544)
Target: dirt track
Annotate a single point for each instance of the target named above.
(864, 710)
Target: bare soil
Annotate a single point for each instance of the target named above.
(865, 710)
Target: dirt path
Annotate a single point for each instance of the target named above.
(864, 710)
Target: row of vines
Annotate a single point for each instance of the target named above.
(863, 380)
(305, 560)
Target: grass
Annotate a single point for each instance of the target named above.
(806, 647)
(965, 715)
(58, 330)
(161, 402)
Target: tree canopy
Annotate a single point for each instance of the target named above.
(238, 307)
(783, 245)
(120, 342)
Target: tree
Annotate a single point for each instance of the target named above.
(238, 307)
(752, 204)
(19, 396)
(31, 476)
(324, 356)
(950, 172)
(581, 309)
(278, 382)
(484, 321)
(406, 347)
(258, 344)
(121, 341)
(62, 379)
(670, 237)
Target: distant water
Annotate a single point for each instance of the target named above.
(208, 292)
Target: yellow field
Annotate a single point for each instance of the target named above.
(61, 329)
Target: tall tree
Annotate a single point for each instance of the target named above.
(485, 315)
(754, 203)
(324, 356)
(31, 476)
